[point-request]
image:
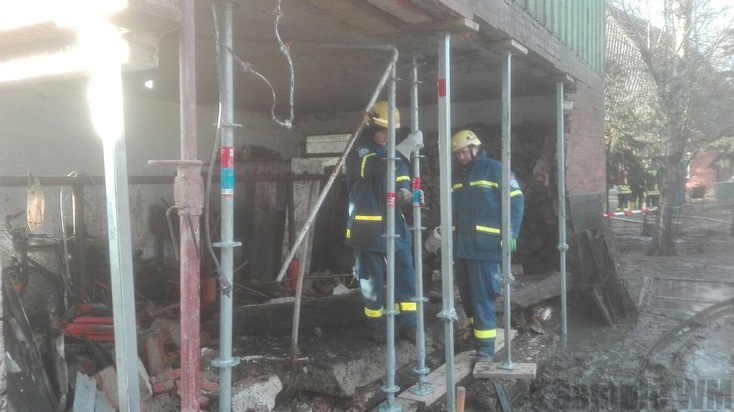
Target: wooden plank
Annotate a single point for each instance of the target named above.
(529, 290)
(463, 364)
(493, 370)
(599, 269)
(598, 296)
(85, 392)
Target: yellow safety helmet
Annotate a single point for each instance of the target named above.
(378, 115)
(462, 139)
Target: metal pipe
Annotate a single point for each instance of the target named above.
(299, 286)
(108, 117)
(448, 313)
(561, 175)
(225, 361)
(420, 369)
(80, 243)
(506, 170)
(22, 181)
(340, 163)
(188, 194)
(390, 388)
(337, 169)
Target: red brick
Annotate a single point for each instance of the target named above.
(209, 387)
(171, 374)
(165, 386)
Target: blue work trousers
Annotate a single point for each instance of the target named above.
(370, 270)
(479, 286)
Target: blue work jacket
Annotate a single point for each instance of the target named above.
(477, 206)
(367, 183)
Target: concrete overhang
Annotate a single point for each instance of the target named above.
(326, 80)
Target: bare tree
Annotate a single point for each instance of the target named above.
(682, 55)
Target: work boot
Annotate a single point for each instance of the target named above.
(481, 357)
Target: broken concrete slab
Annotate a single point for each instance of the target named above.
(254, 394)
(168, 329)
(153, 351)
(107, 383)
(339, 368)
(332, 311)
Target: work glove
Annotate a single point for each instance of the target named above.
(414, 141)
(405, 197)
(513, 244)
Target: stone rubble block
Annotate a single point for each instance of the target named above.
(107, 384)
(256, 394)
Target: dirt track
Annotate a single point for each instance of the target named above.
(692, 369)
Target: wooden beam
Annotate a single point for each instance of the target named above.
(508, 44)
(459, 25)
(493, 370)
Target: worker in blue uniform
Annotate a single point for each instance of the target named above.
(477, 218)
(366, 167)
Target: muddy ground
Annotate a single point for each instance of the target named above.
(645, 363)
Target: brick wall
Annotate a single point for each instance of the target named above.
(585, 156)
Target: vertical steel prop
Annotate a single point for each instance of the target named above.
(189, 197)
(108, 117)
(225, 361)
(561, 174)
(188, 192)
(390, 388)
(507, 277)
(420, 369)
(448, 313)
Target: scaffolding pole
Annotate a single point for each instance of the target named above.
(106, 107)
(561, 174)
(420, 369)
(448, 313)
(390, 388)
(507, 277)
(225, 361)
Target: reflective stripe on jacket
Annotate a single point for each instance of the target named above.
(477, 218)
(367, 182)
